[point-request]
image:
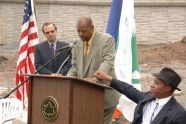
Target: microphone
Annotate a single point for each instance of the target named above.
(71, 45)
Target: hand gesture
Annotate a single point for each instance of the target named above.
(103, 76)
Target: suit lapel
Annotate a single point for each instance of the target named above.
(58, 45)
(80, 58)
(47, 49)
(163, 111)
(91, 53)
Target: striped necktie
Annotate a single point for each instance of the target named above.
(52, 49)
(86, 49)
(153, 113)
(85, 54)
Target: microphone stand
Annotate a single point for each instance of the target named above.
(8, 94)
(68, 56)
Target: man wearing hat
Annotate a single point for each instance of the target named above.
(157, 106)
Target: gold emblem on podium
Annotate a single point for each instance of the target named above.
(49, 108)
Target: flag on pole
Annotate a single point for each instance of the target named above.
(121, 26)
(29, 38)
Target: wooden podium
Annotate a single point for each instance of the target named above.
(65, 100)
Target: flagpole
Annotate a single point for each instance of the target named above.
(34, 3)
(34, 12)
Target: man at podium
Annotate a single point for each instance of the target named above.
(95, 51)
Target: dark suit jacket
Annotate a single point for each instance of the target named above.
(171, 113)
(43, 54)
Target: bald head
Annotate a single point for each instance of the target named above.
(85, 28)
(85, 20)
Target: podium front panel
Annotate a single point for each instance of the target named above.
(54, 87)
(78, 102)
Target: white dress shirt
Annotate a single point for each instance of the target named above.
(151, 108)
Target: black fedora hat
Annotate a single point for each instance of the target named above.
(169, 76)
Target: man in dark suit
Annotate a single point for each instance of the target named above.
(47, 49)
(95, 51)
(157, 106)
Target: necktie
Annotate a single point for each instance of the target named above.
(52, 49)
(153, 113)
(86, 49)
(85, 54)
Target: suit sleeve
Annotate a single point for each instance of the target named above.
(38, 62)
(68, 64)
(108, 56)
(73, 69)
(127, 90)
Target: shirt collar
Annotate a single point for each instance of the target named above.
(162, 101)
(53, 43)
(90, 41)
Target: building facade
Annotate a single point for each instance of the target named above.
(157, 21)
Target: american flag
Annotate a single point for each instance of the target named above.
(29, 38)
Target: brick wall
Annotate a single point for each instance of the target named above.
(156, 20)
(160, 24)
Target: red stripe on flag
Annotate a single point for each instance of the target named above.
(31, 24)
(32, 36)
(25, 32)
(23, 48)
(23, 62)
(21, 65)
(31, 49)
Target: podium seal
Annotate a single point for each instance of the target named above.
(49, 108)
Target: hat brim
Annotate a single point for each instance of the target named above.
(162, 78)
